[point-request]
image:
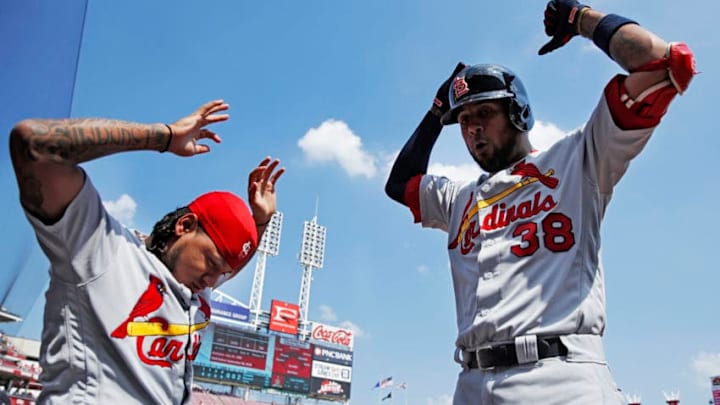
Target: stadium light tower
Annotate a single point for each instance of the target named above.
(312, 255)
(633, 399)
(673, 398)
(220, 296)
(269, 246)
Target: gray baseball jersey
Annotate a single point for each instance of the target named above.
(118, 328)
(524, 243)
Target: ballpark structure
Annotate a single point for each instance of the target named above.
(277, 351)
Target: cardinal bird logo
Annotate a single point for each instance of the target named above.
(204, 307)
(149, 301)
(530, 170)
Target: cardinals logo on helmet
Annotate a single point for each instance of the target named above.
(460, 87)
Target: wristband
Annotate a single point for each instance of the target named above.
(606, 28)
(581, 13)
(167, 145)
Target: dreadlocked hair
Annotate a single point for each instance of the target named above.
(164, 231)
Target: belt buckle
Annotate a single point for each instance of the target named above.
(476, 353)
(463, 357)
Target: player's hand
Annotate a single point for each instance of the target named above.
(561, 23)
(186, 132)
(261, 189)
(441, 104)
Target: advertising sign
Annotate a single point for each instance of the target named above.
(716, 389)
(331, 334)
(216, 374)
(291, 364)
(222, 311)
(329, 389)
(337, 372)
(284, 317)
(239, 348)
(331, 355)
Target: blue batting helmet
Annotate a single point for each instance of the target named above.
(490, 82)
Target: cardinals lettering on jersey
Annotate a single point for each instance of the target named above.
(502, 215)
(164, 348)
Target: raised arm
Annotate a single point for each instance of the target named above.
(658, 70)
(46, 153)
(631, 46)
(413, 158)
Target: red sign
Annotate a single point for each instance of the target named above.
(291, 365)
(284, 317)
(342, 337)
(292, 357)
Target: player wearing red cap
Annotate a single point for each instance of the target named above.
(123, 314)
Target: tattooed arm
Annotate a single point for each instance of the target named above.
(631, 47)
(46, 153)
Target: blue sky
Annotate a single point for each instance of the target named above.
(333, 89)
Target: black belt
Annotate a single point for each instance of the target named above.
(505, 355)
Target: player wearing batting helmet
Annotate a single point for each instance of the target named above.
(123, 314)
(524, 238)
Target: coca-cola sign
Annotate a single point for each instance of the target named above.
(331, 334)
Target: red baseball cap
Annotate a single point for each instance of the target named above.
(229, 223)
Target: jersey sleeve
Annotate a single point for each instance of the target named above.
(76, 235)
(608, 148)
(436, 195)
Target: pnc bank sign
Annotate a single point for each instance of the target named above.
(334, 356)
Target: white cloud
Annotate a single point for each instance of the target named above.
(423, 269)
(327, 314)
(357, 331)
(387, 162)
(444, 399)
(706, 365)
(544, 134)
(466, 171)
(334, 141)
(123, 209)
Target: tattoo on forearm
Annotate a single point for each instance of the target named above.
(36, 143)
(80, 140)
(629, 50)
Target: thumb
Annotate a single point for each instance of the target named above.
(201, 148)
(548, 47)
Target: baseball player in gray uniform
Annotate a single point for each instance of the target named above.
(524, 238)
(123, 315)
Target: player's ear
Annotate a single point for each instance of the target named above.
(186, 224)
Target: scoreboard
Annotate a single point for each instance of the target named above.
(236, 356)
(292, 363)
(239, 348)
